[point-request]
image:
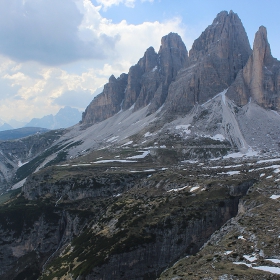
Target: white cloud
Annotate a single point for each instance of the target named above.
(108, 3)
(32, 89)
(47, 31)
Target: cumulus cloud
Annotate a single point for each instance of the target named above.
(31, 89)
(74, 98)
(47, 31)
(108, 3)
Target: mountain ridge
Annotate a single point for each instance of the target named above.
(180, 156)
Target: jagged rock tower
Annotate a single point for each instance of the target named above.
(219, 59)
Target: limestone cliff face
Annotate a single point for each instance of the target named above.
(108, 103)
(260, 78)
(146, 82)
(215, 59)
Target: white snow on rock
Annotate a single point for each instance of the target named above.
(177, 190)
(241, 237)
(143, 155)
(268, 160)
(113, 139)
(194, 189)
(82, 164)
(218, 137)
(63, 165)
(127, 143)
(274, 196)
(113, 160)
(20, 164)
(230, 173)
(274, 270)
(148, 134)
(227, 252)
(251, 258)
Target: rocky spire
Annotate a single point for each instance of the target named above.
(260, 78)
(254, 70)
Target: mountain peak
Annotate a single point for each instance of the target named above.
(261, 46)
(172, 40)
(112, 79)
(226, 31)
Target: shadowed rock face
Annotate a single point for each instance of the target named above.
(260, 78)
(215, 59)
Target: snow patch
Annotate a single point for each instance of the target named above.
(251, 258)
(143, 155)
(20, 164)
(147, 134)
(230, 173)
(268, 160)
(227, 252)
(274, 196)
(113, 160)
(154, 69)
(194, 189)
(127, 143)
(218, 137)
(113, 139)
(178, 189)
(274, 270)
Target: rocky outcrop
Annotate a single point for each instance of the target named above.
(215, 59)
(260, 78)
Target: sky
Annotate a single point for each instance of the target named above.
(56, 53)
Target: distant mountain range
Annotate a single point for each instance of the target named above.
(5, 126)
(65, 117)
